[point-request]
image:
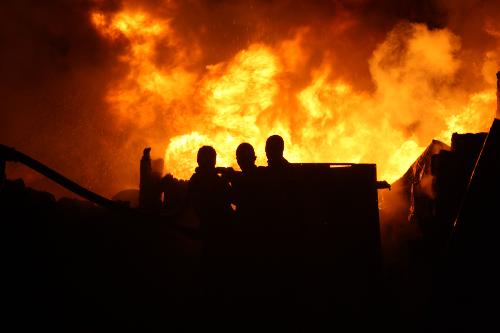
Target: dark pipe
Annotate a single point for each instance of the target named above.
(8, 154)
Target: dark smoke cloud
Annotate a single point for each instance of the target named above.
(55, 68)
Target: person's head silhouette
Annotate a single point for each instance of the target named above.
(274, 150)
(206, 158)
(245, 156)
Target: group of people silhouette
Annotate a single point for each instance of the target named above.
(247, 223)
(222, 195)
(213, 190)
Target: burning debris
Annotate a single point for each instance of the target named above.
(434, 186)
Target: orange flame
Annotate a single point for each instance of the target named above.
(255, 94)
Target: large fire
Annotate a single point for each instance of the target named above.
(272, 88)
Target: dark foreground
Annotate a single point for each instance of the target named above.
(69, 265)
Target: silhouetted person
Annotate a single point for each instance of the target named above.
(279, 188)
(274, 152)
(281, 216)
(247, 186)
(252, 246)
(209, 195)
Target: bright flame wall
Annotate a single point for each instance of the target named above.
(353, 81)
(268, 88)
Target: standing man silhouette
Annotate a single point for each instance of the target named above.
(209, 195)
(282, 219)
(246, 188)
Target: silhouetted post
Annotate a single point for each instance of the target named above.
(498, 95)
(145, 178)
(150, 181)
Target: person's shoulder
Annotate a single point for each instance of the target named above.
(195, 178)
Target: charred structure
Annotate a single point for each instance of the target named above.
(452, 171)
(331, 236)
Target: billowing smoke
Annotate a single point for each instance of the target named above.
(87, 84)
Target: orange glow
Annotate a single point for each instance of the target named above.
(323, 119)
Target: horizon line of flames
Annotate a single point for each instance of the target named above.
(269, 89)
